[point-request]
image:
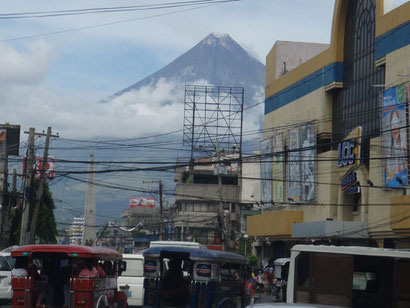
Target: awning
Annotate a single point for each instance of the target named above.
(330, 228)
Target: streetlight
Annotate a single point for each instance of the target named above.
(245, 237)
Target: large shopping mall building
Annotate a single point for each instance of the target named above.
(335, 148)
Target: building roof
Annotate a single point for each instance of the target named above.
(196, 254)
(353, 250)
(70, 251)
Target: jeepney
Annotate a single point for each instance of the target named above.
(181, 276)
(66, 276)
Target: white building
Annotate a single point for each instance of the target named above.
(76, 231)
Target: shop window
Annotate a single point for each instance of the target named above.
(356, 202)
(356, 104)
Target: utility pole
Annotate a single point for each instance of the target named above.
(222, 222)
(3, 183)
(40, 188)
(90, 233)
(161, 208)
(11, 203)
(24, 237)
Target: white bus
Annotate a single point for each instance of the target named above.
(349, 276)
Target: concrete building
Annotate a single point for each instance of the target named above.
(324, 129)
(76, 231)
(197, 202)
(147, 218)
(250, 191)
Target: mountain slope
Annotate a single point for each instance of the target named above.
(217, 59)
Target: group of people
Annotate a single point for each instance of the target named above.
(260, 282)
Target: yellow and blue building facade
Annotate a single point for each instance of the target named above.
(338, 94)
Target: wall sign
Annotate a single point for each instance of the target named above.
(348, 151)
(348, 180)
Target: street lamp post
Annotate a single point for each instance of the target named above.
(245, 237)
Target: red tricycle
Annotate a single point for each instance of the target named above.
(67, 276)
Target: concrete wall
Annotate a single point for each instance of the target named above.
(287, 55)
(250, 191)
(273, 224)
(188, 191)
(316, 105)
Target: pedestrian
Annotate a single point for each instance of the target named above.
(250, 291)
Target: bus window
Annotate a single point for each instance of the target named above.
(303, 268)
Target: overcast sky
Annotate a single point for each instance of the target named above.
(58, 79)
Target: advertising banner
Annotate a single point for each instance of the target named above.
(278, 168)
(38, 165)
(266, 170)
(142, 202)
(294, 172)
(308, 157)
(394, 137)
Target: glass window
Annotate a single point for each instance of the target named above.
(229, 271)
(357, 103)
(364, 281)
(303, 270)
(11, 261)
(134, 268)
(4, 266)
(204, 207)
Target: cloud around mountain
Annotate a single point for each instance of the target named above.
(139, 110)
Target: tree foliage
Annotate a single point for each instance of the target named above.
(253, 260)
(46, 228)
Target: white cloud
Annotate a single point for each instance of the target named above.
(34, 93)
(28, 66)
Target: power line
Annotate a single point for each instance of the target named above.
(115, 22)
(113, 9)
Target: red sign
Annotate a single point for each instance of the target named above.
(38, 165)
(142, 202)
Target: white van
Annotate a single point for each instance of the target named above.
(133, 277)
(6, 265)
(176, 244)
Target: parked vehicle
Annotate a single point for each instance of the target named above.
(349, 276)
(132, 279)
(280, 274)
(194, 277)
(6, 265)
(67, 276)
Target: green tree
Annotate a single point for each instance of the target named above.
(241, 247)
(46, 228)
(253, 260)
